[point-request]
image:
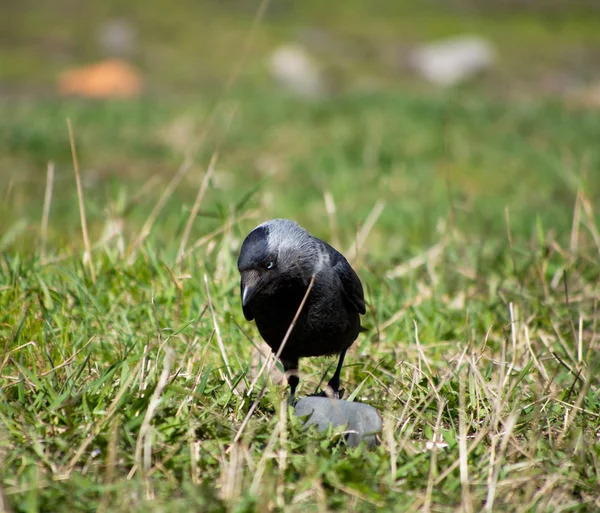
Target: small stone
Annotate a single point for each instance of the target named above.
(295, 70)
(362, 421)
(117, 37)
(452, 61)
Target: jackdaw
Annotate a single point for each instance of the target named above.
(277, 262)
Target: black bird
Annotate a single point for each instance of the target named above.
(277, 262)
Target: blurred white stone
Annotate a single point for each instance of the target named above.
(117, 37)
(452, 61)
(294, 69)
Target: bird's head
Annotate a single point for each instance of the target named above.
(274, 252)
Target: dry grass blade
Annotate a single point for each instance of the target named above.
(147, 226)
(388, 435)
(474, 444)
(514, 325)
(194, 448)
(6, 356)
(574, 243)
(271, 363)
(227, 226)
(86, 240)
(4, 508)
(202, 191)
(262, 464)
(331, 215)
(361, 237)
(282, 423)
(144, 440)
(433, 460)
(246, 45)
(232, 472)
(402, 311)
(467, 502)
(427, 257)
(508, 428)
(590, 221)
(196, 206)
(46, 211)
(539, 366)
(265, 364)
(54, 369)
(218, 334)
(422, 356)
(575, 408)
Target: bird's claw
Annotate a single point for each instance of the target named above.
(330, 393)
(338, 394)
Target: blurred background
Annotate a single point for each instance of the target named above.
(188, 46)
(392, 100)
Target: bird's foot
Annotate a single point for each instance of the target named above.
(330, 393)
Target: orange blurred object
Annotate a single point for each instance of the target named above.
(112, 78)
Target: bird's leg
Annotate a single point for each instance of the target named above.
(291, 373)
(334, 382)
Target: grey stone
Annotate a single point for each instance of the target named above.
(362, 421)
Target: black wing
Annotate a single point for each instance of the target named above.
(247, 314)
(351, 284)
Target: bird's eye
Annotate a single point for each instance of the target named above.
(270, 265)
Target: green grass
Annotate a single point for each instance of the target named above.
(477, 343)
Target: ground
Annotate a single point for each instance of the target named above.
(126, 366)
(471, 225)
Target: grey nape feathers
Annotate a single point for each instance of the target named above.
(276, 263)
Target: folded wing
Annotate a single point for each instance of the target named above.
(351, 285)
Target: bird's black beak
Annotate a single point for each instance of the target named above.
(250, 285)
